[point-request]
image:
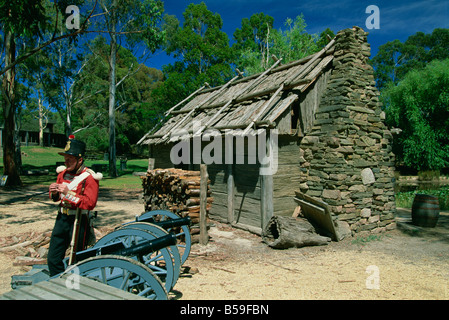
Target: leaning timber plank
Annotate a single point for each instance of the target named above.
(316, 72)
(167, 113)
(247, 227)
(317, 212)
(249, 96)
(307, 67)
(262, 111)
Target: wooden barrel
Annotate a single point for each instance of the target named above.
(425, 210)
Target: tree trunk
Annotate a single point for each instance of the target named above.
(41, 120)
(112, 92)
(10, 167)
(287, 232)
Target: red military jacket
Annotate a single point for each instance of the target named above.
(84, 194)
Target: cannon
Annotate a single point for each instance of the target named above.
(170, 222)
(142, 257)
(165, 262)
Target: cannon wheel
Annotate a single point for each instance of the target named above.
(184, 234)
(159, 232)
(164, 263)
(123, 273)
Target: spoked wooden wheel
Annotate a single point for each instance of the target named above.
(182, 233)
(165, 263)
(158, 232)
(123, 273)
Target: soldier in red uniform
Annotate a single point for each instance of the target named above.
(76, 188)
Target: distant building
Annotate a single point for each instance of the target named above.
(29, 135)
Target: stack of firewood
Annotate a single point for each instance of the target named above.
(175, 190)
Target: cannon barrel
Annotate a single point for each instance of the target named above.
(148, 246)
(167, 224)
(118, 248)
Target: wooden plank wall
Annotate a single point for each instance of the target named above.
(309, 102)
(247, 182)
(247, 189)
(286, 179)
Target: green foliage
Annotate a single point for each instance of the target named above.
(200, 42)
(23, 17)
(135, 114)
(202, 52)
(257, 41)
(405, 199)
(324, 38)
(360, 240)
(294, 43)
(419, 105)
(395, 59)
(253, 34)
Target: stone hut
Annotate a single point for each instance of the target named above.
(318, 124)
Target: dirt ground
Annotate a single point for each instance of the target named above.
(406, 263)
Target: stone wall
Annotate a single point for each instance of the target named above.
(346, 159)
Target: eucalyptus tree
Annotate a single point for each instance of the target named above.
(395, 59)
(134, 109)
(134, 24)
(257, 41)
(201, 51)
(21, 20)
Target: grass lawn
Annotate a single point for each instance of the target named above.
(38, 158)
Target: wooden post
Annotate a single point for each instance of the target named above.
(230, 191)
(151, 163)
(229, 160)
(204, 237)
(266, 186)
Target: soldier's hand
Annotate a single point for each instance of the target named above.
(54, 188)
(59, 187)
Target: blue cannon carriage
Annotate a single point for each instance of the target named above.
(143, 257)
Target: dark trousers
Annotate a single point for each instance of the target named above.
(61, 238)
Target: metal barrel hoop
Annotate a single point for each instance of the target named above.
(163, 263)
(121, 272)
(183, 236)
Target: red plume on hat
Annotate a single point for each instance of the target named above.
(71, 137)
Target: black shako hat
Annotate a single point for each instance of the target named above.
(74, 147)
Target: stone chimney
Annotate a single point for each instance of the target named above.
(347, 159)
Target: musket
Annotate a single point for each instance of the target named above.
(75, 234)
(76, 230)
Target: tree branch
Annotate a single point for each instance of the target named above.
(28, 54)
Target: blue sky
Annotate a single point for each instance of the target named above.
(398, 19)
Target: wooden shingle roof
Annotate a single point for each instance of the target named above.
(250, 102)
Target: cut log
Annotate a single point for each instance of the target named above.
(287, 232)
